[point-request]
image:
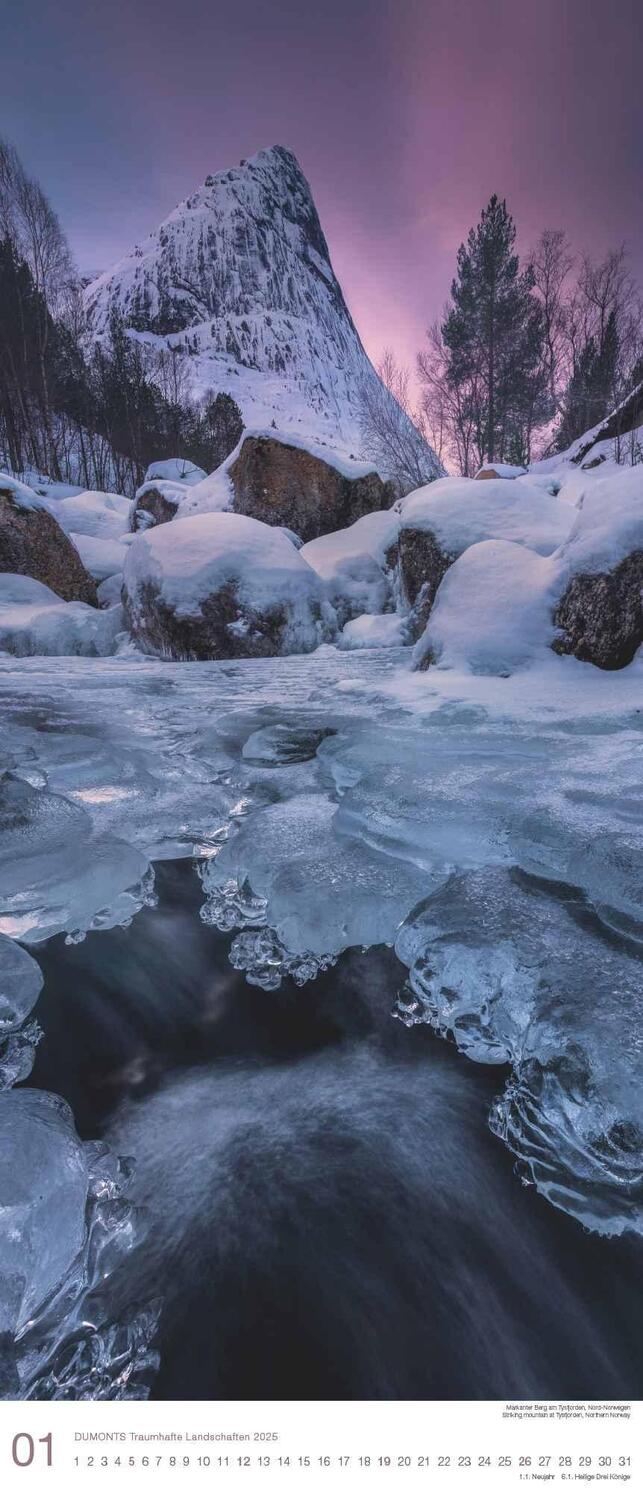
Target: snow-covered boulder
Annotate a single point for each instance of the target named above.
(368, 632)
(219, 586)
(309, 490)
(353, 565)
(600, 612)
(493, 610)
(92, 513)
(167, 483)
(34, 621)
(501, 603)
(177, 469)
(101, 556)
(441, 520)
(500, 471)
(279, 479)
(33, 543)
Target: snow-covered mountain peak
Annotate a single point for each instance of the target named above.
(239, 277)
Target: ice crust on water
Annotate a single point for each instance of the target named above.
(326, 798)
(55, 875)
(65, 1226)
(523, 972)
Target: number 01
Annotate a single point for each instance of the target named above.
(23, 1449)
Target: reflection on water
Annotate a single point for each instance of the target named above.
(330, 1216)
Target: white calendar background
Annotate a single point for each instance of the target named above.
(333, 1449)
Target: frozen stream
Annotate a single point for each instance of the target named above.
(311, 1174)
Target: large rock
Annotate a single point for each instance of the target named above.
(502, 603)
(167, 483)
(600, 611)
(600, 615)
(284, 484)
(156, 503)
(32, 543)
(220, 585)
(441, 520)
(422, 564)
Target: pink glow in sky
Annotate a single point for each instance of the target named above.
(405, 116)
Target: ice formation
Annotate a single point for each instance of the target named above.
(20, 985)
(327, 797)
(65, 1224)
(521, 971)
(482, 817)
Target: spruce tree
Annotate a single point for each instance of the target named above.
(494, 337)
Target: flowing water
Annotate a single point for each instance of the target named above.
(329, 1215)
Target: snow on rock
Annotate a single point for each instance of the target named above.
(441, 520)
(181, 469)
(608, 526)
(239, 278)
(109, 591)
(36, 622)
(222, 585)
(92, 513)
(101, 556)
(500, 471)
(460, 512)
(22, 496)
(600, 613)
(368, 631)
(353, 564)
(501, 602)
(33, 543)
(493, 610)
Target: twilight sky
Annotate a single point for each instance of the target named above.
(405, 115)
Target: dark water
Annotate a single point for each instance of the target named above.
(330, 1216)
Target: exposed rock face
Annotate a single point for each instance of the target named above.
(32, 543)
(289, 486)
(421, 564)
(162, 632)
(601, 615)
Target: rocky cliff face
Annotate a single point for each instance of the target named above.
(239, 277)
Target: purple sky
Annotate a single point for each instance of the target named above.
(405, 114)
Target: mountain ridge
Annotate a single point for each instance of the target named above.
(239, 277)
